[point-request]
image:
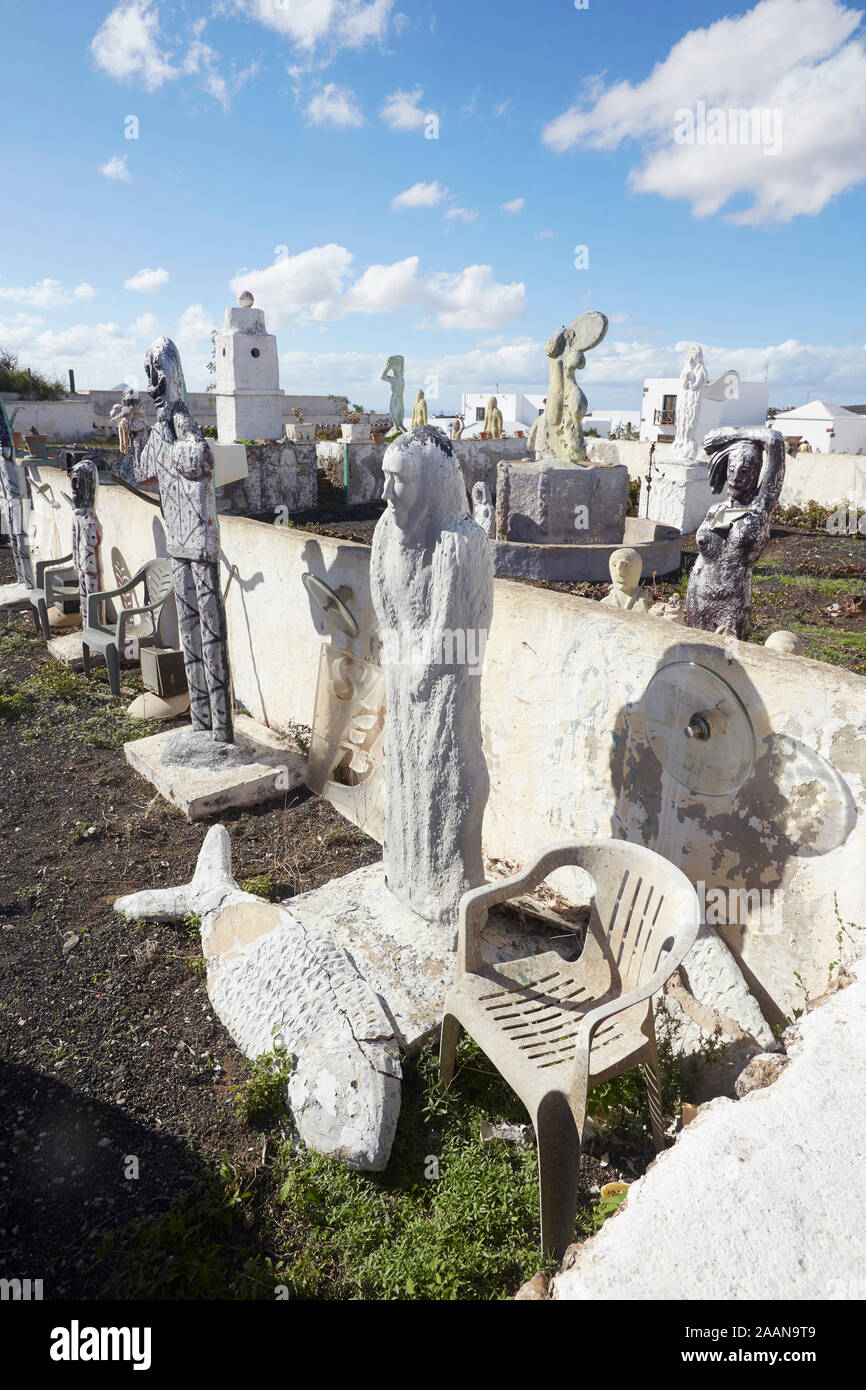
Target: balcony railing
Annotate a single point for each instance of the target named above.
(664, 417)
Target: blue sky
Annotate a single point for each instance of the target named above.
(274, 137)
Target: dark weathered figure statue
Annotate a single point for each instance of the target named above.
(178, 459)
(734, 532)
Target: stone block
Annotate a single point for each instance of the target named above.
(548, 503)
(679, 495)
(280, 474)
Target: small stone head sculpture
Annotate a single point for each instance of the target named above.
(423, 483)
(164, 373)
(82, 479)
(625, 569)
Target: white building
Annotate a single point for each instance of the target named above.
(604, 422)
(826, 428)
(519, 410)
(658, 420)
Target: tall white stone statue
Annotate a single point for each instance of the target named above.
(431, 574)
(693, 379)
(249, 404)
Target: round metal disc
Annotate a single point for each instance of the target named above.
(699, 728)
(332, 608)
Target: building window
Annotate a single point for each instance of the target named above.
(479, 412)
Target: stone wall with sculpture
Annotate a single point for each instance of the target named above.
(798, 818)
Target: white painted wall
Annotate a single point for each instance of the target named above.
(561, 706)
(844, 434)
(749, 408)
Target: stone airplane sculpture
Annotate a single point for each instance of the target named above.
(273, 981)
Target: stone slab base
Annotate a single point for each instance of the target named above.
(12, 596)
(658, 546)
(407, 961)
(204, 779)
(545, 502)
(66, 648)
(679, 495)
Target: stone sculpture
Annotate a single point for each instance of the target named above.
(625, 573)
(493, 419)
(457, 427)
(419, 410)
(393, 374)
(15, 500)
(272, 979)
(784, 641)
(131, 429)
(734, 532)
(177, 458)
(86, 531)
(431, 576)
(559, 431)
(693, 379)
(483, 512)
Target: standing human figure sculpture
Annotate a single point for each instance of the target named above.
(419, 410)
(177, 458)
(393, 374)
(558, 433)
(493, 419)
(431, 575)
(693, 379)
(483, 511)
(131, 429)
(457, 427)
(86, 531)
(734, 532)
(15, 499)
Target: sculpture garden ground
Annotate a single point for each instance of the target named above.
(112, 1049)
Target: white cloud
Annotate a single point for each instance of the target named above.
(115, 168)
(145, 280)
(336, 107)
(792, 57)
(462, 214)
(515, 205)
(547, 235)
(145, 326)
(47, 294)
(130, 48)
(401, 111)
(331, 23)
(194, 326)
(384, 287)
(473, 300)
(420, 195)
(308, 285)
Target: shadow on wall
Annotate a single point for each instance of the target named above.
(794, 805)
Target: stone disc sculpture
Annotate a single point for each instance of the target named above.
(431, 575)
(177, 458)
(559, 431)
(273, 980)
(734, 532)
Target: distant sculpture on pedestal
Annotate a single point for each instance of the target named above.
(693, 379)
(13, 495)
(625, 572)
(177, 458)
(493, 419)
(86, 531)
(559, 431)
(431, 574)
(419, 410)
(733, 534)
(393, 374)
(131, 429)
(457, 427)
(483, 512)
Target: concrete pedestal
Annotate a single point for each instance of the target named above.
(203, 778)
(547, 502)
(679, 495)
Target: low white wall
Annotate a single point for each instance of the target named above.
(829, 479)
(562, 708)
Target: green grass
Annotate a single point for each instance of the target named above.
(262, 1097)
(768, 574)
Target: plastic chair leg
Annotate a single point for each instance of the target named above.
(448, 1048)
(112, 662)
(85, 657)
(42, 610)
(653, 1081)
(558, 1132)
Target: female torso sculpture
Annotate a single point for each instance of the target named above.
(431, 575)
(733, 534)
(393, 374)
(693, 379)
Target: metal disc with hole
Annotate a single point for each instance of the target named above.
(699, 728)
(330, 606)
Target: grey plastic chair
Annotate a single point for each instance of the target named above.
(56, 583)
(554, 1028)
(137, 625)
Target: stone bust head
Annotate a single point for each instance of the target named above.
(738, 464)
(164, 373)
(423, 484)
(625, 569)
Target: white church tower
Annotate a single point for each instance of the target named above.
(249, 402)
